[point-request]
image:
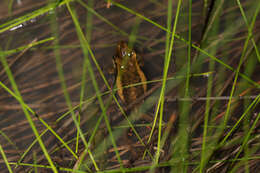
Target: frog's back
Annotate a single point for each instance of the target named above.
(134, 86)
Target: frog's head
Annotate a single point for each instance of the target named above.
(123, 51)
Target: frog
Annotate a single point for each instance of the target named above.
(128, 69)
(131, 83)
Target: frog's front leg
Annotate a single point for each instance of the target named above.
(112, 70)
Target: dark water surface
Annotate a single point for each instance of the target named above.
(37, 78)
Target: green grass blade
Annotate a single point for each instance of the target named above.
(249, 28)
(165, 72)
(5, 159)
(20, 49)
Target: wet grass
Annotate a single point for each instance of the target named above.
(202, 100)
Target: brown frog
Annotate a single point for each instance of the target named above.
(128, 72)
(131, 84)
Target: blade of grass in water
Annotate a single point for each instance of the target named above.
(206, 151)
(46, 166)
(5, 159)
(19, 49)
(246, 140)
(10, 5)
(255, 102)
(248, 27)
(165, 72)
(169, 18)
(84, 69)
(8, 139)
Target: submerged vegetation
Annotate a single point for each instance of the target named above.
(62, 111)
